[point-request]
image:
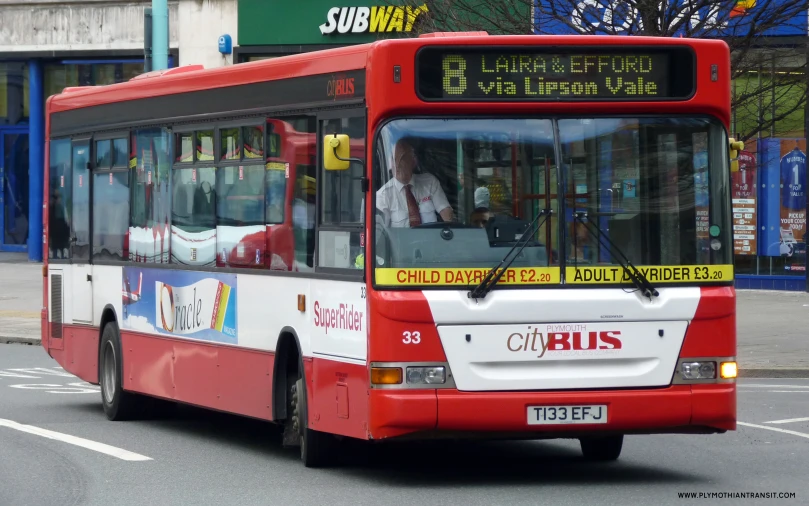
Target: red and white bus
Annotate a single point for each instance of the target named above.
(449, 236)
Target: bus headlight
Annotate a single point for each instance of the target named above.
(426, 375)
(698, 370)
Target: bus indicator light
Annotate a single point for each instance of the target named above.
(386, 375)
(728, 370)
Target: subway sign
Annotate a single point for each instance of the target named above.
(377, 19)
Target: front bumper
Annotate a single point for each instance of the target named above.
(431, 413)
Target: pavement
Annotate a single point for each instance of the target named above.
(202, 457)
(20, 299)
(772, 326)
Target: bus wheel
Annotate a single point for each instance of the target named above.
(602, 448)
(316, 447)
(118, 405)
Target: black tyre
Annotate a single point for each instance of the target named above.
(118, 405)
(317, 448)
(602, 448)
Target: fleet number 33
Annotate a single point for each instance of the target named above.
(411, 337)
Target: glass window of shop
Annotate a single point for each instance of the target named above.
(13, 93)
(769, 190)
(59, 76)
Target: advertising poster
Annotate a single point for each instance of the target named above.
(196, 305)
(702, 194)
(744, 197)
(793, 203)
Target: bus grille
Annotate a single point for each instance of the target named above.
(56, 306)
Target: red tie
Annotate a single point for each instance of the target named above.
(412, 207)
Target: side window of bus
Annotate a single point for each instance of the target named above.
(110, 199)
(341, 239)
(59, 205)
(193, 202)
(293, 143)
(150, 171)
(241, 232)
(342, 191)
(240, 221)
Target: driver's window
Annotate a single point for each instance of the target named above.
(457, 192)
(341, 237)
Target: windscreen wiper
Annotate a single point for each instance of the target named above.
(632, 272)
(495, 274)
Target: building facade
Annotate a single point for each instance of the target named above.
(201, 24)
(269, 29)
(47, 46)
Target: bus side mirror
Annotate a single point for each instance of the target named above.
(735, 147)
(336, 152)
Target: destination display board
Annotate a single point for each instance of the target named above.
(554, 73)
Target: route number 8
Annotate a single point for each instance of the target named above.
(411, 337)
(454, 78)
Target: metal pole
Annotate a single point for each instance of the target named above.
(147, 39)
(806, 136)
(160, 34)
(36, 160)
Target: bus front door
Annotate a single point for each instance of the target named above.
(82, 289)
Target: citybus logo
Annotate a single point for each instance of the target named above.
(574, 338)
(338, 87)
(371, 19)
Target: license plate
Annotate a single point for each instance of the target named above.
(567, 415)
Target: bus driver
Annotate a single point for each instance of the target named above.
(409, 199)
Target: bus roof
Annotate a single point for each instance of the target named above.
(194, 77)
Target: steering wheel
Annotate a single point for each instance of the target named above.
(442, 224)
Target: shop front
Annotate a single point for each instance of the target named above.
(272, 29)
(41, 55)
(14, 154)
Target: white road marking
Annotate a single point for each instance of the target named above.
(34, 372)
(84, 443)
(756, 385)
(790, 420)
(774, 391)
(52, 388)
(6, 374)
(785, 431)
(43, 370)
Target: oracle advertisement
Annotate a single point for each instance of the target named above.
(198, 305)
(743, 201)
(783, 180)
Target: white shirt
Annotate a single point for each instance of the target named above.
(303, 214)
(392, 200)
